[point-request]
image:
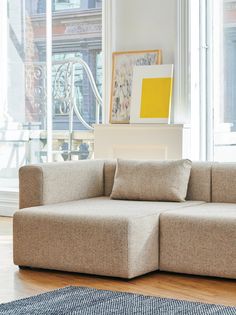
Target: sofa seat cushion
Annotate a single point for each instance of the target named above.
(199, 240)
(96, 236)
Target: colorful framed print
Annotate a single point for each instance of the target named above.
(152, 94)
(122, 76)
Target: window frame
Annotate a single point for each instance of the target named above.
(108, 46)
(210, 135)
(200, 91)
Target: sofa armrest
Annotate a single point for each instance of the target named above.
(60, 182)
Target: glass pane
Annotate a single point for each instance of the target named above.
(224, 73)
(75, 40)
(22, 109)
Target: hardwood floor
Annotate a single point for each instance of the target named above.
(15, 283)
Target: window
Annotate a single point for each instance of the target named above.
(24, 125)
(224, 85)
(213, 75)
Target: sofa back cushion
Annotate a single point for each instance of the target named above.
(199, 187)
(50, 183)
(224, 182)
(109, 175)
(151, 180)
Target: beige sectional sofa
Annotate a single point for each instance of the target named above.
(68, 222)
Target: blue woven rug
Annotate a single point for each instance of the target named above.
(87, 301)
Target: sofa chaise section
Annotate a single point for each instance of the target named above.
(94, 236)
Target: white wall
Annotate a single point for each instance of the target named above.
(149, 24)
(146, 24)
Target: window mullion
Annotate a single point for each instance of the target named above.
(49, 77)
(209, 83)
(203, 79)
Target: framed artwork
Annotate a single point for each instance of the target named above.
(122, 77)
(152, 94)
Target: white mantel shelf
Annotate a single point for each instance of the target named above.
(140, 126)
(142, 141)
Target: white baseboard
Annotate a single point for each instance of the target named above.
(9, 203)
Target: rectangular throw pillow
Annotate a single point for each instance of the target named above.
(151, 180)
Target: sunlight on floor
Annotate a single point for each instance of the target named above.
(5, 226)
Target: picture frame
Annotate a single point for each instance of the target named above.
(122, 78)
(152, 94)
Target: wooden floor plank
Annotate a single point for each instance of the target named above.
(15, 283)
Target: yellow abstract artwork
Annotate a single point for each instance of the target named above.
(156, 97)
(152, 94)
